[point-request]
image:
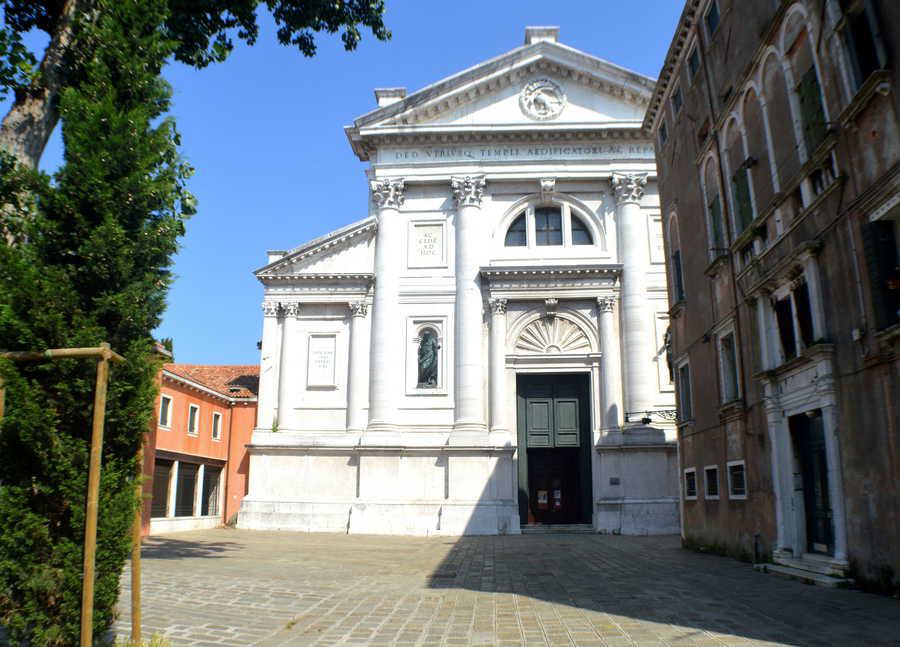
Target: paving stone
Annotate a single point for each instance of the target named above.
(231, 587)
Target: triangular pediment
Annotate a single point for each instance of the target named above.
(348, 251)
(544, 85)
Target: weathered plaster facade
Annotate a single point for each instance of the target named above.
(777, 149)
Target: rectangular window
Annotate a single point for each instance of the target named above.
(784, 317)
(677, 101)
(728, 361)
(548, 226)
(804, 314)
(862, 40)
(740, 182)
(193, 420)
(209, 502)
(184, 492)
(663, 134)
(165, 411)
(690, 484)
(161, 471)
(737, 480)
(677, 276)
(880, 243)
(712, 17)
(814, 126)
(217, 426)
(693, 62)
(684, 393)
(717, 240)
(711, 481)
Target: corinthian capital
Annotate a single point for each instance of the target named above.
(270, 308)
(498, 306)
(606, 304)
(291, 309)
(629, 187)
(388, 193)
(359, 308)
(468, 190)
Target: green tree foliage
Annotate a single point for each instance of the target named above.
(91, 265)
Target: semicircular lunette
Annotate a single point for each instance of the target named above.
(552, 335)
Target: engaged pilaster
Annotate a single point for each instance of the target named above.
(356, 376)
(498, 365)
(289, 312)
(385, 344)
(610, 365)
(469, 383)
(634, 254)
(270, 352)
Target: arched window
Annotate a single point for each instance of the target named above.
(516, 234)
(428, 357)
(552, 224)
(581, 235)
(758, 149)
(738, 168)
(713, 209)
(548, 226)
(676, 273)
(787, 160)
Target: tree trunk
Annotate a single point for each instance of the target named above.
(27, 126)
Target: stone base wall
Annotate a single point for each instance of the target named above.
(421, 491)
(166, 525)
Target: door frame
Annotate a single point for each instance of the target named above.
(586, 481)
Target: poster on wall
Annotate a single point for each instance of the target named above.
(321, 360)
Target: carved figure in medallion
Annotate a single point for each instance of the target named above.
(542, 99)
(428, 359)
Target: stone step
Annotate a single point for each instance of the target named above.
(557, 528)
(807, 577)
(821, 564)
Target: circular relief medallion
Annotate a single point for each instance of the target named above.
(542, 99)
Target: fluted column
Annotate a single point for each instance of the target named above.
(356, 382)
(469, 364)
(634, 254)
(290, 312)
(385, 369)
(610, 366)
(498, 365)
(268, 365)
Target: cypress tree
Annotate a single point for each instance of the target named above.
(89, 264)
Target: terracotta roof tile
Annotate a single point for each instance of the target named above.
(229, 380)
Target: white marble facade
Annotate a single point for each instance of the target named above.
(514, 219)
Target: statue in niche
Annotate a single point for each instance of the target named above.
(428, 359)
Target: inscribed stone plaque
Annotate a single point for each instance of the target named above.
(426, 247)
(320, 364)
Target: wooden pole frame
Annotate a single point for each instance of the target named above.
(105, 355)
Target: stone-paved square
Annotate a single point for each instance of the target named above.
(233, 587)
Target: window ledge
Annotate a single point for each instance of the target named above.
(676, 308)
(716, 265)
(879, 82)
(731, 410)
(806, 356)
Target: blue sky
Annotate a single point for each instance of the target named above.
(274, 169)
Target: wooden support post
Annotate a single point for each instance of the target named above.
(136, 554)
(90, 522)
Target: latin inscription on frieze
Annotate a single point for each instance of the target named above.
(523, 153)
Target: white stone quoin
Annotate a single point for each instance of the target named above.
(510, 264)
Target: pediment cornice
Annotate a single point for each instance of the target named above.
(545, 58)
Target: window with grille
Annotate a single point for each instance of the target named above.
(162, 469)
(690, 483)
(711, 481)
(209, 503)
(185, 489)
(737, 480)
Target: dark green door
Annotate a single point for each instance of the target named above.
(554, 449)
(809, 446)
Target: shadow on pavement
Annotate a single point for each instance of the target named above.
(169, 547)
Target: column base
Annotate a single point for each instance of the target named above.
(469, 425)
(380, 425)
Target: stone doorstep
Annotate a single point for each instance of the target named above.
(808, 577)
(821, 564)
(557, 529)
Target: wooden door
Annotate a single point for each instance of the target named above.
(809, 444)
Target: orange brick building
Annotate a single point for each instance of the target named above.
(196, 450)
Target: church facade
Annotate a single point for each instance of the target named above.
(485, 351)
